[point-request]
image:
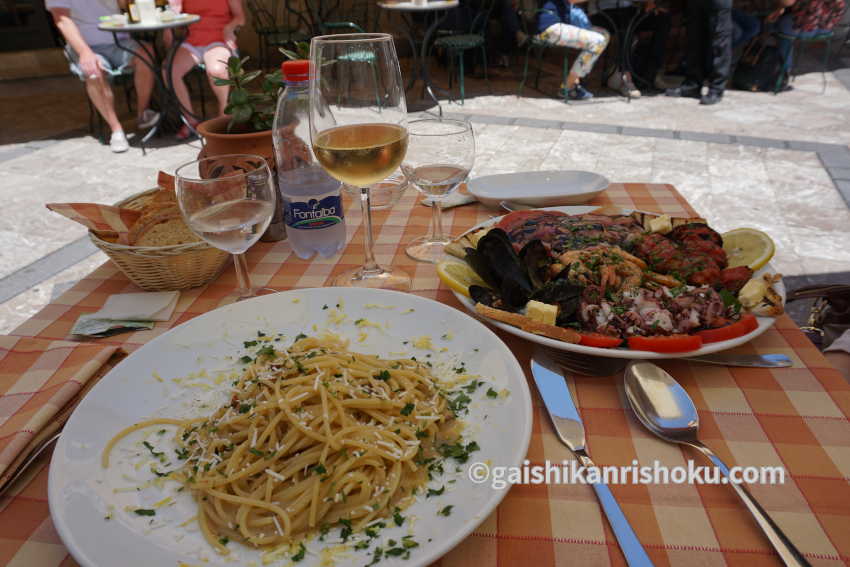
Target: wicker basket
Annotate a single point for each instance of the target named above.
(163, 268)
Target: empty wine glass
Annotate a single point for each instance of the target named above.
(357, 127)
(228, 201)
(439, 156)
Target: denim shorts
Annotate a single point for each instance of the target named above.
(113, 60)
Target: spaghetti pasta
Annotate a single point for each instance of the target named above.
(313, 436)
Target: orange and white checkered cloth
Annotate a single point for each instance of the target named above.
(101, 219)
(38, 379)
(792, 417)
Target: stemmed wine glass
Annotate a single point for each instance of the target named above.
(358, 128)
(228, 201)
(439, 158)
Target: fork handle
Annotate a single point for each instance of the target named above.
(632, 549)
(787, 551)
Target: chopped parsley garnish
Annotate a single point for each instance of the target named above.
(358, 321)
(302, 551)
(434, 492)
(245, 408)
(249, 343)
(300, 336)
(472, 386)
(406, 409)
(491, 393)
(145, 512)
(256, 452)
(458, 451)
(161, 432)
(346, 530)
(246, 359)
(319, 469)
(325, 306)
(398, 519)
(149, 447)
(459, 403)
(223, 541)
(267, 350)
(447, 511)
(182, 454)
(383, 375)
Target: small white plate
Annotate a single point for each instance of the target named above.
(82, 494)
(538, 188)
(764, 323)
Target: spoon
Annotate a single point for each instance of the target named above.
(666, 409)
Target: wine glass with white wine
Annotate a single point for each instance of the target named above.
(358, 128)
(439, 158)
(228, 201)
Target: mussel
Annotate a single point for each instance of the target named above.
(495, 260)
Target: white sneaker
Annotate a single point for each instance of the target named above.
(148, 118)
(118, 142)
(629, 88)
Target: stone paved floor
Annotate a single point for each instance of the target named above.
(774, 163)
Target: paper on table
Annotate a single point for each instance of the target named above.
(453, 200)
(128, 311)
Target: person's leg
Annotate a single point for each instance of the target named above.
(785, 26)
(591, 43)
(215, 60)
(143, 81)
(184, 61)
(720, 40)
(744, 28)
(100, 93)
(697, 15)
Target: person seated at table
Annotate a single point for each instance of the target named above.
(512, 35)
(94, 55)
(803, 19)
(211, 41)
(649, 63)
(563, 23)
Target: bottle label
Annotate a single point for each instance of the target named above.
(314, 214)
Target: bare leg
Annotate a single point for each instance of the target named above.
(100, 93)
(215, 61)
(184, 61)
(143, 80)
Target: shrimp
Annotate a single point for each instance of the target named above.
(607, 266)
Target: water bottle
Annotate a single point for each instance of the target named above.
(312, 202)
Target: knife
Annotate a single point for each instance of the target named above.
(751, 360)
(553, 388)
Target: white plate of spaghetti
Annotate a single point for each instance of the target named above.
(331, 426)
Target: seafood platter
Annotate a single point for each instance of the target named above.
(614, 283)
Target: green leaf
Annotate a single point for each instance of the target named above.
(241, 113)
(238, 96)
(288, 54)
(251, 76)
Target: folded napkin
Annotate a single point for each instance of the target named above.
(41, 382)
(456, 199)
(114, 223)
(127, 311)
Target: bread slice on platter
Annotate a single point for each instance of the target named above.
(527, 324)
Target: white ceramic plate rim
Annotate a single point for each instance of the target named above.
(515, 376)
(503, 186)
(764, 323)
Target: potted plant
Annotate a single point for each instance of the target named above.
(246, 128)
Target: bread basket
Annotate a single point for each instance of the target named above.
(163, 268)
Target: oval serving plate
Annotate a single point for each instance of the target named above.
(152, 382)
(538, 188)
(764, 323)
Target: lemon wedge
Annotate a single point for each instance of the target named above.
(748, 247)
(458, 276)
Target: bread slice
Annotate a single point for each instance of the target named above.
(168, 232)
(529, 325)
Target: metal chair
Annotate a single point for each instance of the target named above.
(338, 15)
(457, 44)
(535, 43)
(787, 65)
(278, 24)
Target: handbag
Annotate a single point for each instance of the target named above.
(759, 67)
(829, 317)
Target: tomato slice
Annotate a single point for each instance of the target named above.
(599, 340)
(746, 324)
(672, 343)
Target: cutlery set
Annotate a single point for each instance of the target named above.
(664, 408)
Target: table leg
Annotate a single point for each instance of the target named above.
(178, 37)
(147, 56)
(635, 22)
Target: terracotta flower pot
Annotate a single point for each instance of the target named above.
(217, 141)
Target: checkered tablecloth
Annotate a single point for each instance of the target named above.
(796, 418)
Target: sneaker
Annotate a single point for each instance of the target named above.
(690, 90)
(578, 92)
(630, 88)
(118, 142)
(148, 118)
(713, 96)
